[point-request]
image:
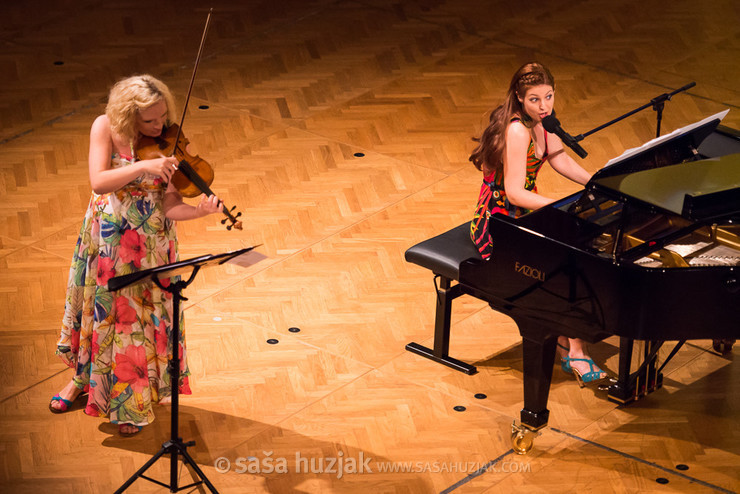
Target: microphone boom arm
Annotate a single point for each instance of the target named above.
(656, 103)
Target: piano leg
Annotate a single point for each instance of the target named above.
(653, 379)
(538, 352)
(623, 391)
(724, 347)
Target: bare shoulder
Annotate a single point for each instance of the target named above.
(517, 134)
(101, 127)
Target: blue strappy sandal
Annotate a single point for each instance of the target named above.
(588, 377)
(64, 405)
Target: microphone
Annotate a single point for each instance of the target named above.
(552, 125)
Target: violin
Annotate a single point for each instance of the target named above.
(194, 175)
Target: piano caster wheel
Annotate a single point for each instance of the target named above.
(522, 438)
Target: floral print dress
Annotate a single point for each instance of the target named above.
(119, 343)
(492, 199)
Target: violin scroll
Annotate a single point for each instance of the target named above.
(234, 223)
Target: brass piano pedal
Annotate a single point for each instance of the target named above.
(522, 438)
(606, 384)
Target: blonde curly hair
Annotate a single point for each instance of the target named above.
(131, 95)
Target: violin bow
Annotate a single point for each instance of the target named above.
(194, 177)
(192, 78)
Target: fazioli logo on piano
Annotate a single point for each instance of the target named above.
(529, 271)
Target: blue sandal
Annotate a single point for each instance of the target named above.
(588, 377)
(64, 405)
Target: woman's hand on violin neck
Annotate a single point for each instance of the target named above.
(209, 205)
(163, 167)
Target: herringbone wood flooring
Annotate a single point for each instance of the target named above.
(341, 130)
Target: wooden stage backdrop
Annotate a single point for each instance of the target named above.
(341, 129)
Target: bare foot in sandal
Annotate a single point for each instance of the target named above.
(127, 430)
(63, 401)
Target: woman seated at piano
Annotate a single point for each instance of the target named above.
(510, 153)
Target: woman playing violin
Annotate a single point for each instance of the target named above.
(118, 342)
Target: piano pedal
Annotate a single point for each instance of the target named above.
(606, 384)
(522, 438)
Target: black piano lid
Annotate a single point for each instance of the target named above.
(697, 190)
(724, 140)
(693, 191)
(670, 149)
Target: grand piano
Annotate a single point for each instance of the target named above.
(648, 251)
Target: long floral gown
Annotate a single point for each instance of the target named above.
(119, 342)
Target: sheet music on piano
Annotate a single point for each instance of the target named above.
(664, 138)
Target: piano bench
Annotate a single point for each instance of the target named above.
(443, 255)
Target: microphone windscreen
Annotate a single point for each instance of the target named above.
(550, 123)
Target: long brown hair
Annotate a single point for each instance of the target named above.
(492, 143)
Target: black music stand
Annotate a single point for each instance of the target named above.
(175, 445)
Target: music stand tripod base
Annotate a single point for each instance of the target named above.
(175, 446)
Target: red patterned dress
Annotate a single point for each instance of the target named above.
(492, 199)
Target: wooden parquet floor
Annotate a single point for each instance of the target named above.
(341, 129)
